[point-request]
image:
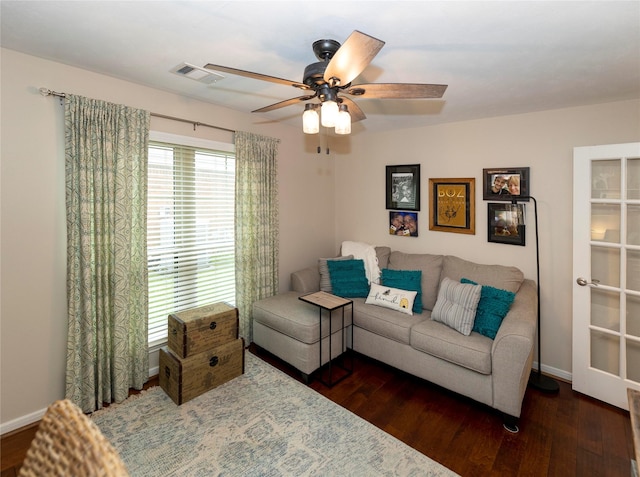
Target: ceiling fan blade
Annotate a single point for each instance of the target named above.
(397, 90)
(354, 110)
(282, 104)
(258, 76)
(352, 58)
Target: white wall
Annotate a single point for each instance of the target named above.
(543, 141)
(33, 220)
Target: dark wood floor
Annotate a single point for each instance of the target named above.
(567, 434)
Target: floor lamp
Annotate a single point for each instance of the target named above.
(537, 380)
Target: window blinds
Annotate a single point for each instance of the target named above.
(190, 231)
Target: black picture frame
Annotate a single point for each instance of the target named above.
(505, 223)
(519, 174)
(403, 187)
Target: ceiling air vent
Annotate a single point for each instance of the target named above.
(197, 73)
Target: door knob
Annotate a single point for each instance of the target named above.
(584, 282)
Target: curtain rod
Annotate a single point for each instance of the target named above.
(48, 92)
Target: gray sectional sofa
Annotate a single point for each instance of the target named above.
(491, 371)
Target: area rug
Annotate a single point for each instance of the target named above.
(263, 423)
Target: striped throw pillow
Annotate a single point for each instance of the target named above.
(456, 305)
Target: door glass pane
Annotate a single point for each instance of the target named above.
(605, 182)
(633, 224)
(633, 270)
(605, 223)
(633, 315)
(633, 360)
(605, 309)
(605, 352)
(605, 265)
(633, 179)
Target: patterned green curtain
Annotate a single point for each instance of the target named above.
(256, 218)
(106, 198)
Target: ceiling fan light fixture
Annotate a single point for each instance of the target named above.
(310, 119)
(343, 120)
(339, 65)
(329, 113)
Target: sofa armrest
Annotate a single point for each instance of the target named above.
(306, 280)
(512, 352)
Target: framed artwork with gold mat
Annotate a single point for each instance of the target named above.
(453, 205)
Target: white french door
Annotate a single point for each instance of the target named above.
(606, 266)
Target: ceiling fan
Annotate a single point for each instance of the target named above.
(330, 80)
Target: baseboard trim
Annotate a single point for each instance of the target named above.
(554, 372)
(34, 417)
(21, 422)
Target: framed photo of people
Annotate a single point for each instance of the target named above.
(403, 224)
(403, 187)
(505, 223)
(453, 206)
(505, 184)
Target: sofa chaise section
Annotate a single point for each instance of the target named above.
(289, 328)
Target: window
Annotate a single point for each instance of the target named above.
(190, 230)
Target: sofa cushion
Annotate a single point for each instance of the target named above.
(392, 298)
(457, 304)
(439, 340)
(382, 253)
(348, 278)
(323, 268)
(429, 265)
(384, 322)
(405, 280)
(306, 280)
(289, 315)
(498, 276)
(493, 306)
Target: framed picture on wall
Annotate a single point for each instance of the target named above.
(505, 223)
(453, 205)
(505, 183)
(403, 187)
(403, 223)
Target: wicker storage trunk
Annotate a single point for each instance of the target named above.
(201, 329)
(186, 378)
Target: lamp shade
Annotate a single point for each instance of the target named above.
(310, 120)
(343, 121)
(329, 113)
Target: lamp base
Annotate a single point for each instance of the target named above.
(543, 383)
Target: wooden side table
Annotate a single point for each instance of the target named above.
(329, 302)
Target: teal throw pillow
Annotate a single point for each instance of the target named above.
(410, 280)
(348, 278)
(325, 278)
(493, 307)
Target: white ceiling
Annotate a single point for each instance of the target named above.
(498, 58)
